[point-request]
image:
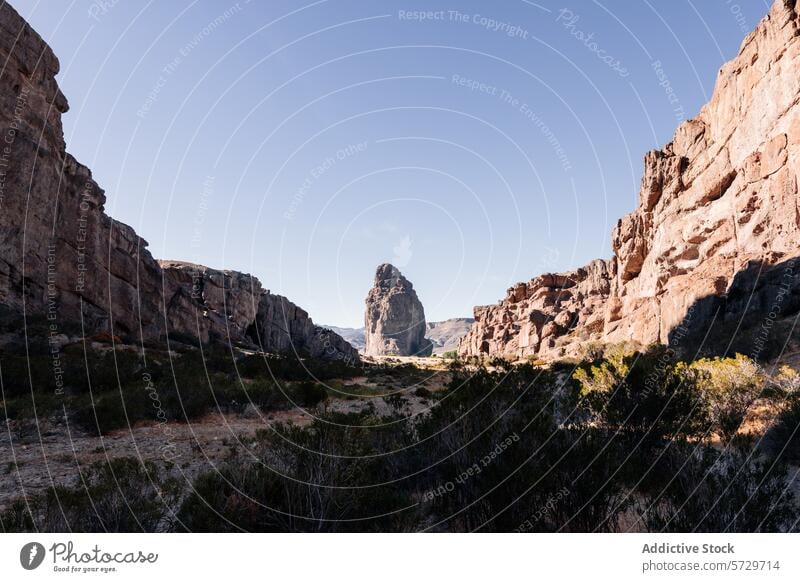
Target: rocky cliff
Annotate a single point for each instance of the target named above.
(64, 259)
(394, 322)
(543, 316)
(719, 199)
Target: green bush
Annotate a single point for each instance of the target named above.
(293, 368)
(728, 386)
(104, 412)
(308, 394)
(641, 392)
(123, 495)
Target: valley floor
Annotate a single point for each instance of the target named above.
(40, 455)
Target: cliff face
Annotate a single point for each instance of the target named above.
(719, 198)
(63, 258)
(395, 319)
(61, 254)
(542, 316)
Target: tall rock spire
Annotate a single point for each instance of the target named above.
(395, 319)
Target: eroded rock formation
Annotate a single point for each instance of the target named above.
(394, 321)
(541, 316)
(719, 198)
(284, 327)
(63, 259)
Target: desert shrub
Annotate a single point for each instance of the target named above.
(123, 495)
(591, 472)
(99, 371)
(169, 399)
(641, 392)
(307, 394)
(105, 412)
(263, 393)
(29, 406)
(293, 368)
(423, 392)
(397, 401)
(451, 355)
(653, 392)
(183, 396)
(535, 466)
(321, 478)
(500, 363)
(21, 375)
(728, 386)
(786, 382)
(705, 490)
(593, 351)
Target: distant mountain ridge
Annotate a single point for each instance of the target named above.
(445, 335)
(355, 336)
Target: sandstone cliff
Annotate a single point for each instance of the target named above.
(62, 258)
(718, 205)
(394, 321)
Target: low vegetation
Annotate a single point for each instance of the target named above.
(624, 441)
(122, 495)
(104, 389)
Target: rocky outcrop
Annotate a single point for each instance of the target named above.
(721, 196)
(64, 260)
(60, 254)
(444, 335)
(543, 316)
(283, 327)
(230, 304)
(394, 321)
(210, 304)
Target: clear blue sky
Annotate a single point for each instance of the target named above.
(308, 141)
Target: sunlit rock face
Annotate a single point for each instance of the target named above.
(721, 197)
(394, 321)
